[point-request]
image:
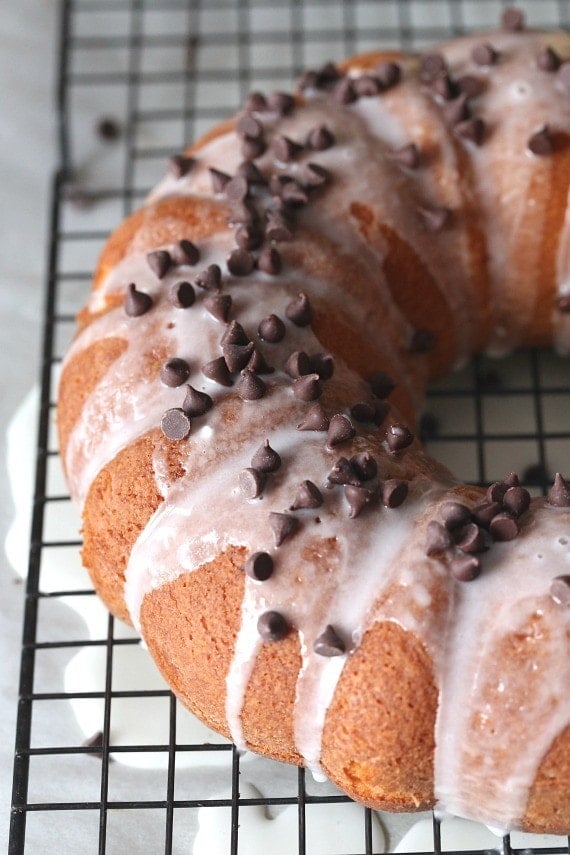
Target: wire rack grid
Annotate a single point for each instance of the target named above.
(165, 72)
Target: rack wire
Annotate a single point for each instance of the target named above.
(166, 70)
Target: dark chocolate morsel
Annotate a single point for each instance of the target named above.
(159, 262)
(271, 329)
(516, 501)
(283, 526)
(307, 387)
(470, 538)
(381, 384)
(269, 261)
(174, 372)
(217, 370)
(252, 174)
(315, 419)
(343, 473)
(496, 491)
(358, 498)
(272, 626)
(237, 189)
(422, 341)
(484, 513)
(196, 403)
(282, 102)
(329, 643)
(178, 166)
(432, 66)
(286, 149)
(258, 364)
(455, 110)
(182, 295)
(394, 493)
(240, 262)
(298, 364)
(320, 138)
(435, 219)
(308, 496)
(315, 176)
(277, 228)
(248, 236)
(234, 334)
(323, 365)
(344, 91)
(548, 59)
(484, 54)
(219, 180)
(398, 437)
(175, 424)
(367, 86)
(540, 143)
(250, 387)
(340, 430)
(364, 465)
(470, 86)
(251, 483)
(248, 126)
(389, 74)
(185, 252)
(293, 195)
(408, 156)
(563, 302)
(560, 590)
(259, 566)
(299, 310)
(251, 149)
(513, 19)
(472, 130)
(210, 278)
(465, 568)
(219, 306)
(445, 87)
(563, 75)
(237, 355)
(438, 539)
(266, 459)
(559, 494)
(455, 514)
(362, 412)
(511, 480)
(256, 102)
(137, 303)
(503, 527)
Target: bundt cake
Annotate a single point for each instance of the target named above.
(237, 414)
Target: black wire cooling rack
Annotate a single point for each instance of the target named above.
(161, 72)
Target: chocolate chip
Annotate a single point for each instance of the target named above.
(250, 387)
(272, 626)
(283, 526)
(422, 341)
(408, 156)
(308, 80)
(137, 303)
(434, 219)
(308, 496)
(472, 130)
(445, 87)
(381, 384)
(109, 130)
(210, 278)
(251, 149)
(266, 459)
(344, 91)
(219, 306)
(185, 252)
(484, 54)
(234, 334)
(281, 102)
(307, 388)
(196, 403)
(315, 419)
(398, 437)
(512, 19)
(367, 86)
(175, 424)
(559, 493)
(516, 501)
(269, 261)
(237, 355)
(432, 66)
(256, 102)
(286, 149)
(219, 180)
(470, 86)
(159, 262)
(560, 590)
(217, 370)
(243, 213)
(298, 364)
(389, 74)
(503, 527)
(251, 483)
(237, 189)
(540, 143)
(548, 59)
(240, 262)
(428, 427)
(563, 303)
(496, 491)
(358, 498)
(343, 473)
(455, 514)
(363, 412)
(272, 329)
(511, 480)
(394, 493)
(455, 110)
(328, 73)
(323, 365)
(299, 310)
(277, 228)
(174, 372)
(438, 539)
(315, 176)
(259, 566)
(293, 195)
(340, 430)
(248, 236)
(258, 363)
(484, 513)
(563, 76)
(251, 173)
(364, 465)
(248, 126)
(329, 643)
(470, 538)
(178, 165)
(465, 568)
(320, 138)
